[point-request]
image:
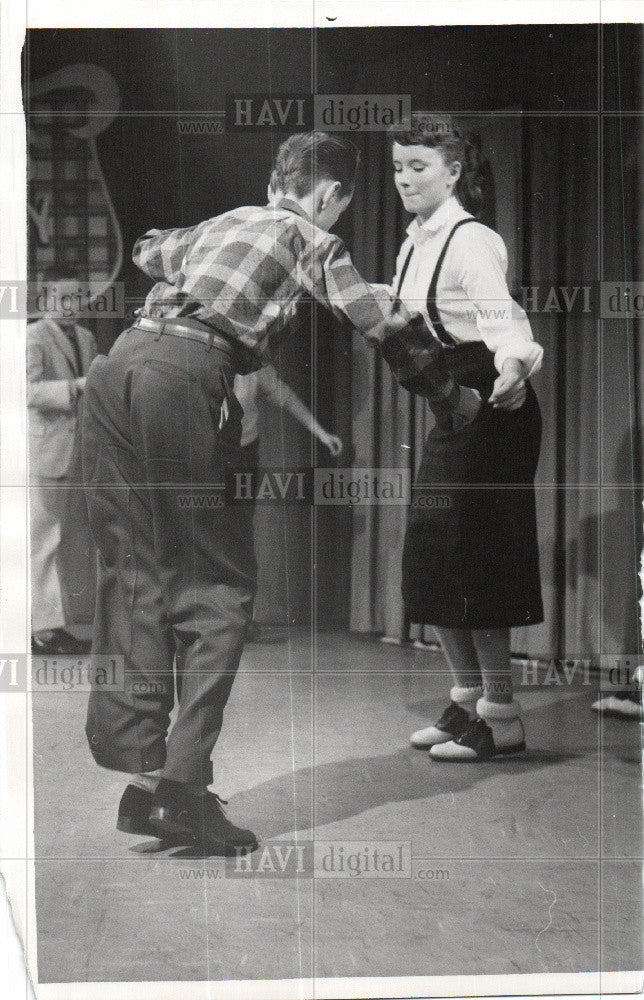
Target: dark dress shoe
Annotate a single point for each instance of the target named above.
(134, 812)
(59, 643)
(197, 820)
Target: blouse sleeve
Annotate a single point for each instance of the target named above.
(481, 264)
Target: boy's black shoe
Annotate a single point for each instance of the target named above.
(134, 812)
(59, 642)
(179, 814)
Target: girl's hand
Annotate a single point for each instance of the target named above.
(509, 392)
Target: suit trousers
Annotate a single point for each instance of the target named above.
(176, 568)
(46, 507)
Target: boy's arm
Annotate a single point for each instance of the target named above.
(160, 252)
(415, 357)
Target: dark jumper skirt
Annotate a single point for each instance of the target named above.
(470, 558)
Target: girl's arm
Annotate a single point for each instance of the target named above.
(501, 322)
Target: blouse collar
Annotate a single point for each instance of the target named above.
(449, 212)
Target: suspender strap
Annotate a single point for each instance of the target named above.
(404, 270)
(432, 309)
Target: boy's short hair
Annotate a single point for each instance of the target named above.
(307, 157)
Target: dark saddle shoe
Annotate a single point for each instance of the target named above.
(477, 743)
(451, 724)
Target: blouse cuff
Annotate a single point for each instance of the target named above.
(527, 351)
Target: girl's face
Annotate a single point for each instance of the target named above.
(423, 179)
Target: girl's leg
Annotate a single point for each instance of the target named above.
(492, 647)
(461, 656)
(466, 690)
(497, 707)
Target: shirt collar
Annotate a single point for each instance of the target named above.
(292, 206)
(67, 329)
(447, 213)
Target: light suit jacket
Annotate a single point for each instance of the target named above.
(52, 407)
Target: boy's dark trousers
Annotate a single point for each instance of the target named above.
(176, 570)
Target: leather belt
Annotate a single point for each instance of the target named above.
(188, 329)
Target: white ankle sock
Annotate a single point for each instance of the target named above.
(504, 719)
(498, 712)
(147, 780)
(466, 698)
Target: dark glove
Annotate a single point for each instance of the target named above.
(418, 363)
(454, 411)
(417, 359)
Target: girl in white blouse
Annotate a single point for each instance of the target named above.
(470, 562)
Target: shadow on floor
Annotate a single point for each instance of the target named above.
(347, 788)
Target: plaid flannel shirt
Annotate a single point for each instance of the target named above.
(244, 273)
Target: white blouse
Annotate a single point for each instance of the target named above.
(472, 297)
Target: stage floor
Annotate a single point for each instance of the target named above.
(528, 865)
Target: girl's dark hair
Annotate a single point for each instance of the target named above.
(475, 186)
(307, 157)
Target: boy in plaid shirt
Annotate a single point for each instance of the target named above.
(161, 423)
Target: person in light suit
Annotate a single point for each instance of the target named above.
(59, 353)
